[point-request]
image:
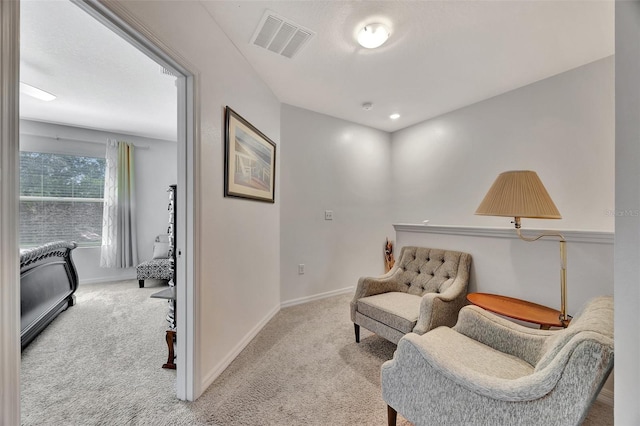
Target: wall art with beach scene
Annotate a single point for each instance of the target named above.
(249, 162)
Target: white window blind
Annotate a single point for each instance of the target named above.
(61, 198)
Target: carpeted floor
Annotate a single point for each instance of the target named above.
(99, 364)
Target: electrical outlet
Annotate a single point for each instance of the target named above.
(328, 215)
(301, 269)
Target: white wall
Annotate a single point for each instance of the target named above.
(627, 245)
(561, 127)
(237, 257)
(331, 164)
(156, 169)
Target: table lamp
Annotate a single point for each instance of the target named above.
(518, 194)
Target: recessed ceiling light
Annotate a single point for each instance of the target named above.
(373, 35)
(34, 92)
(394, 116)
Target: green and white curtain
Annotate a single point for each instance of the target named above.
(119, 242)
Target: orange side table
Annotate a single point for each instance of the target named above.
(518, 309)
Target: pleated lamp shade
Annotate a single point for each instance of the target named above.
(518, 193)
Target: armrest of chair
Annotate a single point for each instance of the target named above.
(369, 286)
(501, 334)
(423, 350)
(415, 350)
(438, 309)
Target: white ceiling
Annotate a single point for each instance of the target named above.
(100, 80)
(442, 55)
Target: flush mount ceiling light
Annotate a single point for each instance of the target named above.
(373, 35)
(394, 116)
(34, 92)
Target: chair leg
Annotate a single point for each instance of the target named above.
(356, 328)
(141, 283)
(392, 416)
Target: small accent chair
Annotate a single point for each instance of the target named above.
(490, 371)
(425, 289)
(161, 266)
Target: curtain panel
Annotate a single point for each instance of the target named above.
(119, 234)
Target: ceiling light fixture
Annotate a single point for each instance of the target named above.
(394, 116)
(34, 92)
(373, 35)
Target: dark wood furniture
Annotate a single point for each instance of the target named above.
(170, 293)
(48, 281)
(518, 309)
(170, 335)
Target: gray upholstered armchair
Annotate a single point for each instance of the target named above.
(425, 289)
(490, 371)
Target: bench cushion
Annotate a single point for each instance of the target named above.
(160, 269)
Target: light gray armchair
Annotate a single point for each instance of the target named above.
(425, 289)
(490, 371)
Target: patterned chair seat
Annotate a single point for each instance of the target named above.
(159, 269)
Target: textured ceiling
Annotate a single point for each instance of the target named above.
(442, 55)
(100, 80)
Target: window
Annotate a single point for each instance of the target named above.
(61, 198)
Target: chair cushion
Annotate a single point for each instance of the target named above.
(450, 347)
(395, 309)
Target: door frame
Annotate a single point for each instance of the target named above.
(117, 18)
(9, 189)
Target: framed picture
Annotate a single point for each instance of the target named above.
(249, 160)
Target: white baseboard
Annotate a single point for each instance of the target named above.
(606, 396)
(222, 365)
(306, 299)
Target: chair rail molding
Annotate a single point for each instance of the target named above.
(595, 237)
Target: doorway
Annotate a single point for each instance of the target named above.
(185, 205)
(9, 14)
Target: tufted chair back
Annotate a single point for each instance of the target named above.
(424, 270)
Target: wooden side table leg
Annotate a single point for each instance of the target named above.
(170, 336)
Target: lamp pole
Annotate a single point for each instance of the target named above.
(564, 318)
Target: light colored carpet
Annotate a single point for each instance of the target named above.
(99, 364)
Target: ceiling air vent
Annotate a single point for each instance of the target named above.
(280, 35)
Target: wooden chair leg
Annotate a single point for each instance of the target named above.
(170, 337)
(141, 283)
(356, 328)
(392, 416)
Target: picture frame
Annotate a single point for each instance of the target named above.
(249, 160)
